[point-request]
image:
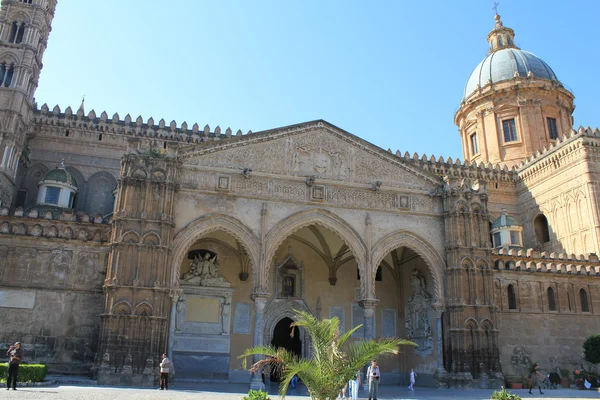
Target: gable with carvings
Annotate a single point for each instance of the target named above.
(318, 151)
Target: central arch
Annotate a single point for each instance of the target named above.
(327, 219)
(432, 258)
(277, 310)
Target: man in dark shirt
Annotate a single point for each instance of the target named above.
(15, 354)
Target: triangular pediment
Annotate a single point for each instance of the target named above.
(316, 149)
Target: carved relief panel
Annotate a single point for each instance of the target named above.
(418, 323)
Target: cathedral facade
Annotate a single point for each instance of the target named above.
(121, 239)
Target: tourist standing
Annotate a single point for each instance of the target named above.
(353, 386)
(413, 375)
(374, 377)
(534, 376)
(165, 365)
(15, 355)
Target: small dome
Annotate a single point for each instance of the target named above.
(505, 64)
(60, 175)
(505, 220)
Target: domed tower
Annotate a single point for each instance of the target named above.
(513, 104)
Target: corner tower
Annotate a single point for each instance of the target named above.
(24, 29)
(513, 104)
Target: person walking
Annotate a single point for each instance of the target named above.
(353, 385)
(374, 376)
(165, 365)
(15, 355)
(534, 376)
(413, 375)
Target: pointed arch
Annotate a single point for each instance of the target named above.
(199, 228)
(428, 253)
(143, 309)
(130, 237)
(321, 217)
(151, 238)
(99, 197)
(122, 308)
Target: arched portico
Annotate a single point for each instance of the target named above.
(208, 224)
(302, 219)
(428, 253)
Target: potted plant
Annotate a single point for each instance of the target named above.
(565, 381)
(514, 382)
(526, 379)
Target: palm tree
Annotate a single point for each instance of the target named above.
(330, 367)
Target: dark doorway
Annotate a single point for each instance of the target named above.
(284, 337)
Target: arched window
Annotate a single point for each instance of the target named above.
(512, 299)
(13, 32)
(20, 33)
(6, 74)
(541, 228)
(500, 43)
(551, 301)
(584, 301)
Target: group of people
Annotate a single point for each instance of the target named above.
(373, 378)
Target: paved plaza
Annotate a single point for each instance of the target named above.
(236, 392)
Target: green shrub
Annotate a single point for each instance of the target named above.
(257, 395)
(591, 349)
(564, 373)
(504, 395)
(27, 372)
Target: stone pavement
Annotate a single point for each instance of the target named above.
(207, 391)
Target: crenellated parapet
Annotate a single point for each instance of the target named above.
(90, 126)
(564, 150)
(531, 260)
(460, 169)
(54, 223)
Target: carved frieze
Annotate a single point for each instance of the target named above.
(318, 153)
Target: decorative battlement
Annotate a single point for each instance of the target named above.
(531, 260)
(52, 223)
(126, 126)
(461, 169)
(554, 154)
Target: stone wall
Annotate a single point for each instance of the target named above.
(541, 329)
(51, 274)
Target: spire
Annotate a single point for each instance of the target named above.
(500, 37)
(82, 106)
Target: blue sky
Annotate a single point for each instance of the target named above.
(391, 72)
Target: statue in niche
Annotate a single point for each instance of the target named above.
(289, 284)
(226, 310)
(205, 272)
(418, 284)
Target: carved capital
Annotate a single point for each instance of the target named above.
(369, 306)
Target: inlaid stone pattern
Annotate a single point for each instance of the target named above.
(339, 312)
(241, 318)
(358, 318)
(388, 323)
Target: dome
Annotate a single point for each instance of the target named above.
(60, 175)
(504, 64)
(504, 220)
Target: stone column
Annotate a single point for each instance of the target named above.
(260, 301)
(439, 345)
(369, 310)
(175, 295)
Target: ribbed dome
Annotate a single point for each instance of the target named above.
(504, 64)
(60, 175)
(504, 220)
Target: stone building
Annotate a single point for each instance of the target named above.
(121, 239)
